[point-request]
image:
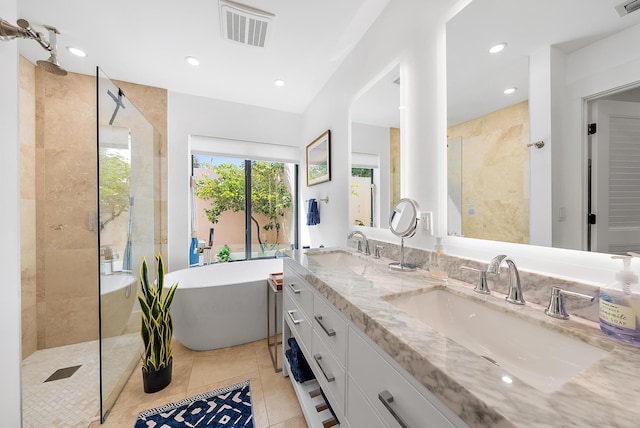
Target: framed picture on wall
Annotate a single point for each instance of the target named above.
(319, 159)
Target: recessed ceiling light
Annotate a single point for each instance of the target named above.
(498, 48)
(510, 90)
(278, 82)
(76, 51)
(192, 60)
(507, 379)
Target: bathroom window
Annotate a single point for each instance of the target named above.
(244, 208)
(362, 196)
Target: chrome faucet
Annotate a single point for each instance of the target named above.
(556, 303)
(367, 252)
(515, 289)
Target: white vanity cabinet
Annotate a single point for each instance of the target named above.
(390, 393)
(298, 321)
(365, 386)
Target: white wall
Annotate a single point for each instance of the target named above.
(540, 104)
(192, 115)
(407, 32)
(10, 357)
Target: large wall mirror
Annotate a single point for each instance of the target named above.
(497, 103)
(375, 152)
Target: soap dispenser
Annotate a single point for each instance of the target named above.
(436, 261)
(620, 304)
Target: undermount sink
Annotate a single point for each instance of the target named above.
(543, 358)
(338, 259)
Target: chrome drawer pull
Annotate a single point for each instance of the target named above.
(295, 321)
(293, 287)
(330, 332)
(386, 398)
(329, 377)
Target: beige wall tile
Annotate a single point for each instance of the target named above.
(74, 87)
(70, 175)
(29, 330)
(27, 74)
(71, 321)
(71, 274)
(495, 174)
(69, 125)
(27, 110)
(28, 258)
(27, 172)
(29, 326)
(66, 225)
(41, 310)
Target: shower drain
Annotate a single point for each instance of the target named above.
(63, 373)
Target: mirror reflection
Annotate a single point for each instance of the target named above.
(375, 152)
(500, 183)
(403, 220)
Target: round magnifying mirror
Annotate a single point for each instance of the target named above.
(403, 221)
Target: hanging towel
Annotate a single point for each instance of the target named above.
(313, 214)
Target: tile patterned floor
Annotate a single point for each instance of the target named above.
(194, 372)
(65, 403)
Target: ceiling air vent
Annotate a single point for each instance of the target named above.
(245, 24)
(628, 7)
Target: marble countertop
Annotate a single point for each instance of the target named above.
(606, 394)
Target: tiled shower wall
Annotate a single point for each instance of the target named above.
(495, 174)
(59, 194)
(27, 96)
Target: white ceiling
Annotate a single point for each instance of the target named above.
(380, 104)
(476, 79)
(146, 41)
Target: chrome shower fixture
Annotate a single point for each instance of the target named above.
(24, 31)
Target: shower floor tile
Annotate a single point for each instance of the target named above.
(70, 402)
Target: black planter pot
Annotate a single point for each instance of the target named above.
(157, 380)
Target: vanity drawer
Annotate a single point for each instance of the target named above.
(359, 412)
(300, 290)
(330, 374)
(407, 403)
(331, 327)
(298, 322)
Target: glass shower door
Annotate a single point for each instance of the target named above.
(128, 222)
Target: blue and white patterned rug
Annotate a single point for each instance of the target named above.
(228, 407)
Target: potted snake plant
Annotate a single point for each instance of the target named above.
(156, 329)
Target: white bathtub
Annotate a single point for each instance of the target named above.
(117, 295)
(222, 304)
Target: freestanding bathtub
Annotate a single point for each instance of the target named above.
(222, 304)
(117, 296)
